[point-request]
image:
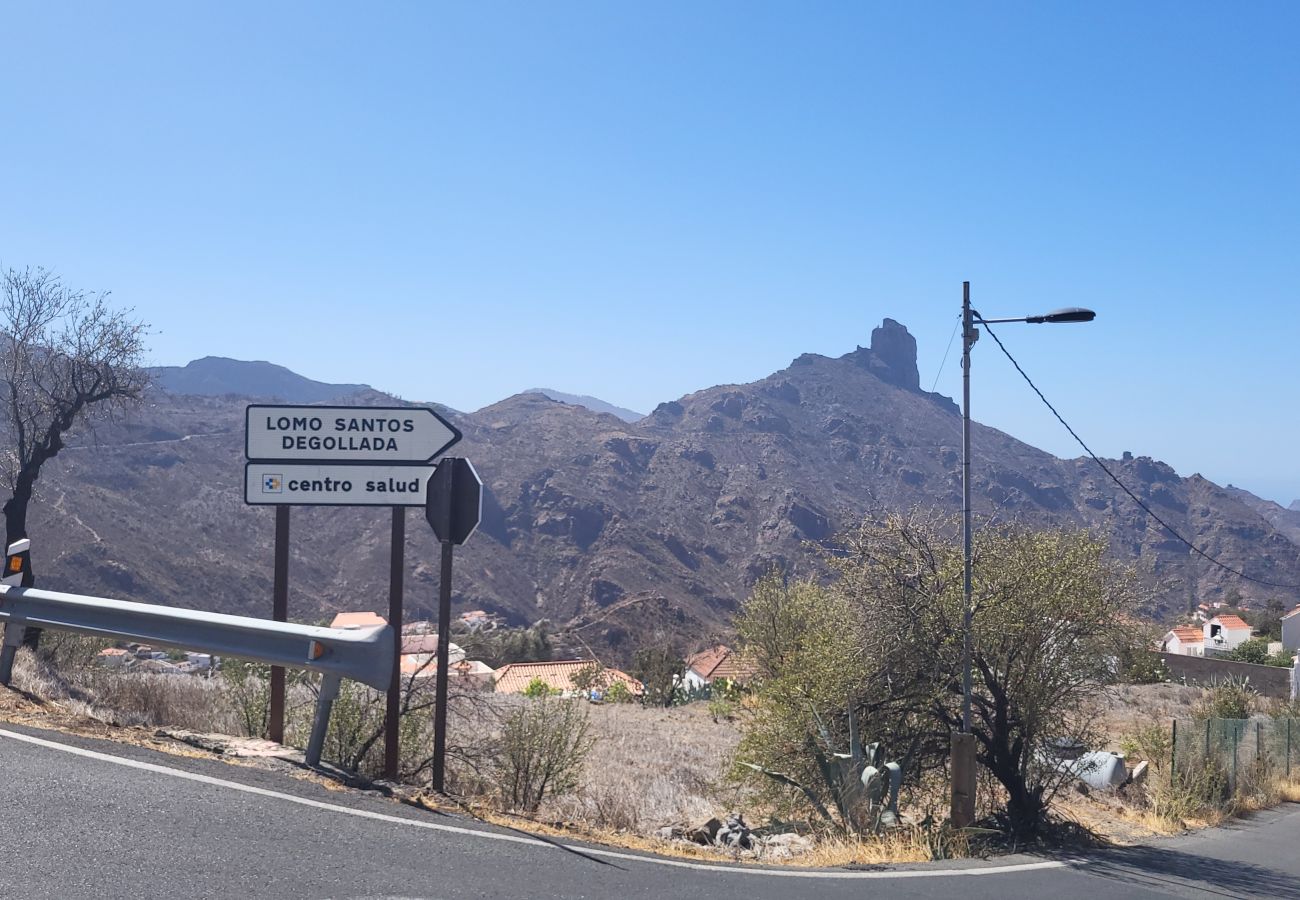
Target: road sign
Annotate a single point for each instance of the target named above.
(292, 484)
(375, 435)
(455, 500)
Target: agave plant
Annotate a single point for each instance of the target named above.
(862, 786)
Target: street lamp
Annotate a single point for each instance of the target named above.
(963, 745)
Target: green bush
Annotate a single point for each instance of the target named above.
(1254, 651)
(538, 688)
(618, 693)
(1142, 666)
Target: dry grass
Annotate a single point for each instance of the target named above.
(1133, 706)
(903, 845)
(653, 767)
(127, 698)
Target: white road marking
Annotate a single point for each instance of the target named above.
(719, 868)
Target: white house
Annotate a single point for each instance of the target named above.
(1185, 640)
(1225, 632)
(1291, 630)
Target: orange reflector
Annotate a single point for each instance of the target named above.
(315, 650)
(15, 564)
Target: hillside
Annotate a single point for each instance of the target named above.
(655, 526)
(217, 375)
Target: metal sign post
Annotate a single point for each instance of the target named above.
(279, 613)
(454, 508)
(342, 456)
(393, 709)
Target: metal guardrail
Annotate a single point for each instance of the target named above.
(364, 654)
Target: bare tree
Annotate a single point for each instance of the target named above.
(66, 358)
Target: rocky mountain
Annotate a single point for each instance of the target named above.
(1284, 519)
(595, 404)
(614, 529)
(217, 375)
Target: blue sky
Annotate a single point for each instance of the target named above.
(458, 202)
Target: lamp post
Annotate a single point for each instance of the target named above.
(963, 744)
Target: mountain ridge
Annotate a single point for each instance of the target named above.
(256, 379)
(620, 530)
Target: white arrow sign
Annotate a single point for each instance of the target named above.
(375, 435)
(293, 484)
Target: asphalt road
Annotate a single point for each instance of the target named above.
(87, 819)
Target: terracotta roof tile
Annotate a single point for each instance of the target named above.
(720, 661)
(419, 643)
(514, 678)
(357, 620)
(1188, 634)
(1233, 622)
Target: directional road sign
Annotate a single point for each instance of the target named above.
(295, 484)
(455, 503)
(374, 435)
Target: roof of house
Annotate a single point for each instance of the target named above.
(1230, 621)
(719, 661)
(357, 620)
(1292, 613)
(1188, 634)
(114, 651)
(514, 678)
(419, 643)
(421, 666)
(425, 665)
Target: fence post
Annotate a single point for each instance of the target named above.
(1288, 747)
(1173, 751)
(1258, 753)
(1207, 740)
(1236, 742)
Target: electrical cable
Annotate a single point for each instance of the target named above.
(946, 351)
(1114, 478)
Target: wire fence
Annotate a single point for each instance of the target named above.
(1236, 747)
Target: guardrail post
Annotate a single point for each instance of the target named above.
(329, 690)
(13, 640)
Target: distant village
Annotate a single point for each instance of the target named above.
(1218, 629)
(419, 661)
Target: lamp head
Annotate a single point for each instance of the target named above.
(1070, 314)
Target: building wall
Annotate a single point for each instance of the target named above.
(1271, 681)
(1291, 633)
(693, 680)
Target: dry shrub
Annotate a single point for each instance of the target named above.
(544, 743)
(126, 698)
